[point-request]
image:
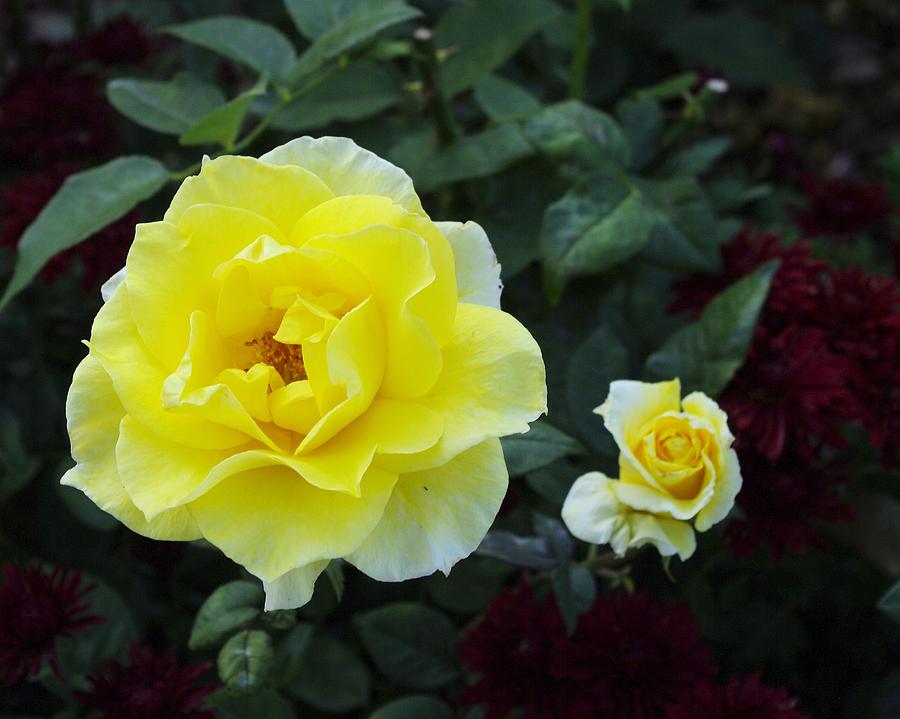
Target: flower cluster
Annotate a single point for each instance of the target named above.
(37, 607)
(826, 352)
(55, 120)
(629, 658)
(148, 687)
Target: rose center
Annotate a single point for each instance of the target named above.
(287, 360)
(676, 447)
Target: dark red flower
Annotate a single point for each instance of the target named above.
(37, 607)
(839, 207)
(780, 503)
(795, 288)
(100, 255)
(51, 112)
(631, 657)
(791, 393)
(148, 687)
(511, 651)
(119, 42)
(741, 698)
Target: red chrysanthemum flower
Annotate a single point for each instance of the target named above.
(100, 255)
(795, 288)
(741, 698)
(792, 392)
(839, 207)
(631, 657)
(511, 651)
(37, 607)
(148, 687)
(780, 503)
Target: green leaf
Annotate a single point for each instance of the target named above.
(599, 360)
(222, 125)
(573, 130)
(705, 354)
(330, 677)
(575, 592)
(246, 661)
(267, 704)
(229, 607)
(642, 123)
(669, 89)
(17, 467)
(469, 586)
(467, 158)
(252, 43)
(478, 36)
(412, 645)
(87, 202)
(740, 46)
(290, 653)
(354, 29)
(168, 107)
(529, 552)
(890, 602)
(353, 93)
(314, 17)
(335, 573)
(558, 538)
(601, 222)
(538, 447)
(697, 158)
(687, 236)
(502, 99)
(414, 707)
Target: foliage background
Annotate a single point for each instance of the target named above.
(595, 206)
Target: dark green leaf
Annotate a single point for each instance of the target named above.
(354, 29)
(669, 89)
(267, 704)
(335, 573)
(469, 586)
(575, 592)
(530, 552)
(739, 46)
(353, 93)
(698, 158)
(480, 35)
(313, 17)
(558, 538)
(890, 602)
(602, 221)
(705, 354)
(413, 645)
(642, 122)
(414, 707)
(169, 107)
(246, 661)
(255, 44)
(87, 202)
(573, 130)
(330, 677)
(538, 447)
(17, 468)
(469, 157)
(229, 607)
(222, 125)
(599, 360)
(81, 506)
(502, 99)
(732, 193)
(290, 654)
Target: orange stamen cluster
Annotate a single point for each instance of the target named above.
(287, 360)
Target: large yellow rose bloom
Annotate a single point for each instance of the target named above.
(297, 364)
(677, 471)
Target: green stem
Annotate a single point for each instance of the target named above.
(426, 58)
(580, 56)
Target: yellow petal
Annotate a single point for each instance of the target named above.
(398, 264)
(138, 379)
(629, 407)
(669, 536)
(294, 407)
(493, 384)
(294, 588)
(477, 271)
(93, 416)
(728, 484)
(699, 405)
(436, 517)
(170, 267)
(280, 194)
(591, 511)
(348, 169)
(635, 493)
(271, 521)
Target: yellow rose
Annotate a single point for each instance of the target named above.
(677, 471)
(297, 364)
